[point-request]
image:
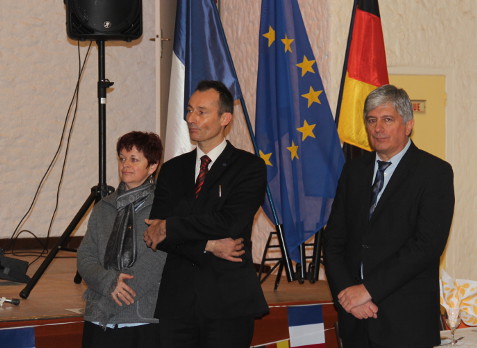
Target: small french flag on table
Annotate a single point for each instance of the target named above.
(305, 324)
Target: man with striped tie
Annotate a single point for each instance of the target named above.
(387, 230)
(203, 198)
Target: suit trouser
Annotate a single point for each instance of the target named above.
(144, 336)
(195, 330)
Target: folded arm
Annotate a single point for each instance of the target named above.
(238, 206)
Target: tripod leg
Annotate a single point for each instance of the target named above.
(77, 279)
(279, 275)
(270, 271)
(262, 264)
(301, 267)
(63, 239)
(313, 273)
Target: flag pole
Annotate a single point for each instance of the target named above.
(345, 64)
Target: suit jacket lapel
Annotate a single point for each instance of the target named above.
(366, 185)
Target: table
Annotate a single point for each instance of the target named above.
(469, 334)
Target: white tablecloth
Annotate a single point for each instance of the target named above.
(469, 340)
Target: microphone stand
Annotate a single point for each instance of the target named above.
(97, 192)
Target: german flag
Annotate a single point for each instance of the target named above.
(364, 70)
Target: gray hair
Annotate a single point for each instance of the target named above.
(389, 94)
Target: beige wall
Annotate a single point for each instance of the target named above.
(38, 74)
(429, 129)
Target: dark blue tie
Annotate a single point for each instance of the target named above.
(378, 185)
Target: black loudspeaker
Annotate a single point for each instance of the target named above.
(13, 269)
(104, 19)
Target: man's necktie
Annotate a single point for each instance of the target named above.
(378, 185)
(204, 162)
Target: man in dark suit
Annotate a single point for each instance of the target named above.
(387, 230)
(204, 300)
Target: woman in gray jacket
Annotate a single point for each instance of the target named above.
(121, 273)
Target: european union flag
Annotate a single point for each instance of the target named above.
(295, 130)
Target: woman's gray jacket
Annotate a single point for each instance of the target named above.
(147, 270)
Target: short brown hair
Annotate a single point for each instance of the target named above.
(146, 142)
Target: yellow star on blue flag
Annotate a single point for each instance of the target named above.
(293, 150)
(287, 42)
(312, 96)
(270, 35)
(266, 158)
(306, 66)
(306, 130)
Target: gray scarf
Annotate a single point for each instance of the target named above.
(122, 249)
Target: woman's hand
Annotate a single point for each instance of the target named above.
(123, 293)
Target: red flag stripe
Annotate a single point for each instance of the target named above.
(367, 55)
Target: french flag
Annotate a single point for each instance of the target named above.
(200, 53)
(305, 325)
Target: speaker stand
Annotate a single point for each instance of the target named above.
(97, 192)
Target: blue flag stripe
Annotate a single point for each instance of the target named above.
(18, 338)
(305, 315)
(201, 45)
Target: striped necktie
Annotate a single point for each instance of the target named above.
(204, 162)
(378, 185)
